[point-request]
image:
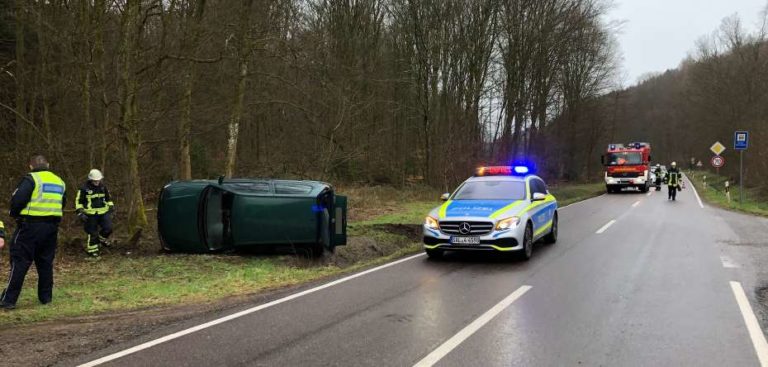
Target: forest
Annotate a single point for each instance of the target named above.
(371, 92)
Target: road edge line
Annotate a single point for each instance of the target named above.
(755, 332)
(451, 344)
(695, 192)
(178, 334)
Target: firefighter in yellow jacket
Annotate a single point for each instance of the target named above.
(94, 207)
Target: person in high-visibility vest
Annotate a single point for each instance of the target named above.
(37, 205)
(94, 207)
(674, 178)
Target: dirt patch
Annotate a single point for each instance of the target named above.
(45, 344)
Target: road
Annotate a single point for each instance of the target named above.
(634, 280)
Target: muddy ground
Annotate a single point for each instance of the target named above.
(48, 343)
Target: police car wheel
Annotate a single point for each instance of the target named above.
(551, 238)
(527, 250)
(435, 254)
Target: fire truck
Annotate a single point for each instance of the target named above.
(627, 166)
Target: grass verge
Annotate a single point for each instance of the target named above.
(569, 193)
(714, 194)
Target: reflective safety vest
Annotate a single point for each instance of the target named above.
(47, 198)
(674, 178)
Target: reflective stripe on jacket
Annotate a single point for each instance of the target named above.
(93, 200)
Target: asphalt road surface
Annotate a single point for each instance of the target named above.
(634, 280)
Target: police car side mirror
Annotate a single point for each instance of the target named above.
(444, 197)
(537, 196)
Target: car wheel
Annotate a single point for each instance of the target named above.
(435, 254)
(551, 238)
(609, 189)
(527, 251)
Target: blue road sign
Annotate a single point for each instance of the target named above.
(740, 140)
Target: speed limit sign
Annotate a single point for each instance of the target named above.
(718, 161)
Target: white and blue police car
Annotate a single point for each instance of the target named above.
(501, 209)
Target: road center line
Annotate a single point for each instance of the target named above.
(470, 329)
(636, 204)
(603, 228)
(233, 316)
(758, 338)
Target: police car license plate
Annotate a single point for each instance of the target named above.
(465, 240)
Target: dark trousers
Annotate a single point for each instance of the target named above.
(672, 192)
(97, 226)
(32, 242)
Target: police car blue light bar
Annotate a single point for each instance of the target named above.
(502, 171)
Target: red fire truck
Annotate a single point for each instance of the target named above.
(627, 166)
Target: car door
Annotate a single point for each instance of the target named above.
(543, 211)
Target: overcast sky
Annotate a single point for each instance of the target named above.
(657, 34)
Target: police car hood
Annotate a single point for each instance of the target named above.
(485, 209)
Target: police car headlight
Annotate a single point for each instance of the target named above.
(431, 223)
(507, 223)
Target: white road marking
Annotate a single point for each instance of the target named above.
(233, 316)
(470, 329)
(697, 194)
(603, 228)
(728, 262)
(758, 338)
(649, 193)
(636, 204)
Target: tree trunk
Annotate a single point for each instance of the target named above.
(185, 124)
(137, 218)
(21, 101)
(243, 53)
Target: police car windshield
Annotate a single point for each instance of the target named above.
(491, 190)
(620, 159)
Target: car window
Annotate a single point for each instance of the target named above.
(250, 187)
(491, 190)
(538, 186)
(290, 188)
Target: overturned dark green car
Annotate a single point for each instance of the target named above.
(201, 216)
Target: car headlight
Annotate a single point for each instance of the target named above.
(431, 223)
(507, 223)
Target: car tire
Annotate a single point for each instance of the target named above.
(435, 254)
(527, 251)
(609, 189)
(551, 238)
(644, 189)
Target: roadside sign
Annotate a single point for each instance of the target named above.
(718, 161)
(717, 148)
(740, 140)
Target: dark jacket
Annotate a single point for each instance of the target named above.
(674, 177)
(99, 197)
(23, 193)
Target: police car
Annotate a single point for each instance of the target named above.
(501, 209)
